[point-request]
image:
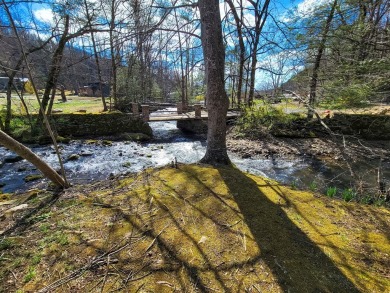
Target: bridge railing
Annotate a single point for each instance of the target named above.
(146, 111)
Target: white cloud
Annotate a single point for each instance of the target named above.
(45, 15)
(307, 7)
(304, 9)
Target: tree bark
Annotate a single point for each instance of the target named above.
(63, 95)
(27, 154)
(217, 100)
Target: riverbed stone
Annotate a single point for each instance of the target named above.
(33, 177)
(73, 157)
(12, 159)
(135, 137)
(192, 126)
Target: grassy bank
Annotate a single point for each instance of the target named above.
(73, 105)
(189, 229)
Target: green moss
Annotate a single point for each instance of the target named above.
(33, 177)
(31, 273)
(207, 227)
(6, 243)
(5, 196)
(42, 217)
(36, 259)
(91, 141)
(73, 157)
(62, 139)
(126, 164)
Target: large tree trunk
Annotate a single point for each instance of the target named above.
(27, 154)
(217, 100)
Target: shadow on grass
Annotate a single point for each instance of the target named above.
(297, 263)
(28, 218)
(193, 229)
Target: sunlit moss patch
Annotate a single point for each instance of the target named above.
(196, 228)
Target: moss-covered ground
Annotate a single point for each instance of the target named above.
(193, 228)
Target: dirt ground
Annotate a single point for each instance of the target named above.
(321, 148)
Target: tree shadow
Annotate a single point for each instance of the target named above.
(191, 229)
(27, 219)
(296, 261)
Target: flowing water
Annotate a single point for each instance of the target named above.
(97, 161)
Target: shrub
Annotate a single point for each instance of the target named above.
(348, 194)
(199, 98)
(28, 87)
(341, 95)
(256, 121)
(331, 191)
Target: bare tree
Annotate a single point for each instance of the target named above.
(96, 55)
(318, 57)
(261, 14)
(55, 67)
(239, 24)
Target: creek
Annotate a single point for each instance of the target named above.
(97, 161)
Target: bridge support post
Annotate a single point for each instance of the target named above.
(145, 112)
(179, 108)
(198, 110)
(135, 109)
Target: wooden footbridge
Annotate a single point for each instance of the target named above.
(179, 114)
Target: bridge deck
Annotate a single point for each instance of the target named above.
(186, 116)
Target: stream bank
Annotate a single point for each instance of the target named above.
(307, 163)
